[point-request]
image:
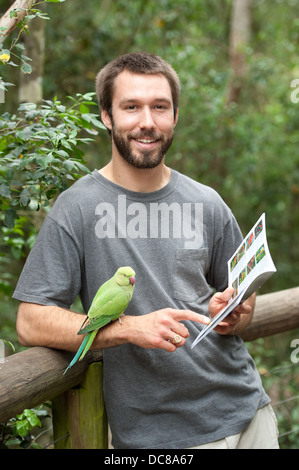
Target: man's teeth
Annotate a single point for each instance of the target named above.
(145, 141)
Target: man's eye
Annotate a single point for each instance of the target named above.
(160, 107)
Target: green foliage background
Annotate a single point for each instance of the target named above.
(248, 152)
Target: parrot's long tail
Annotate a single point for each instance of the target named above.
(85, 345)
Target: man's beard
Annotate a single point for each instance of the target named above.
(142, 158)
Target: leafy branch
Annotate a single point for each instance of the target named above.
(18, 15)
(18, 431)
(40, 151)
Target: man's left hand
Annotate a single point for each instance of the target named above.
(238, 319)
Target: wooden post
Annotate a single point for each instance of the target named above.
(79, 416)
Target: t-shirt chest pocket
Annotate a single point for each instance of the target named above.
(189, 275)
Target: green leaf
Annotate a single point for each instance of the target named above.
(34, 420)
(73, 134)
(20, 46)
(24, 134)
(51, 193)
(61, 108)
(10, 217)
(91, 118)
(35, 445)
(25, 57)
(61, 153)
(22, 427)
(82, 167)
(25, 197)
(66, 144)
(13, 14)
(46, 160)
(69, 164)
(87, 96)
(32, 417)
(26, 68)
(83, 109)
(4, 190)
(27, 106)
(13, 441)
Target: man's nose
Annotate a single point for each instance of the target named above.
(147, 120)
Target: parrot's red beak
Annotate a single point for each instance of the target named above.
(132, 280)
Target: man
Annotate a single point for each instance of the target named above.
(177, 235)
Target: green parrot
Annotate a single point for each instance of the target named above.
(109, 303)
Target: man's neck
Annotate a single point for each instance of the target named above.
(137, 179)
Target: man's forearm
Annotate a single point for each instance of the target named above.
(51, 326)
(56, 327)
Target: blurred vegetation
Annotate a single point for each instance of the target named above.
(247, 151)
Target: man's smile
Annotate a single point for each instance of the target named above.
(144, 141)
(146, 144)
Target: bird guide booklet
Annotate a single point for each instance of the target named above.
(248, 269)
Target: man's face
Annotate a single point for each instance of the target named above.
(142, 124)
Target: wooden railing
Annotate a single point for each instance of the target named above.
(35, 375)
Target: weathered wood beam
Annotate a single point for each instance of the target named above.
(274, 313)
(35, 375)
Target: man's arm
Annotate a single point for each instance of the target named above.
(57, 328)
(50, 326)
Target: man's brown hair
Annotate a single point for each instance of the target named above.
(138, 63)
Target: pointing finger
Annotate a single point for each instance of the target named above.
(182, 315)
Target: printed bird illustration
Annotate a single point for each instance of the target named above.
(109, 304)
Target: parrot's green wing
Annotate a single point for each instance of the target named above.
(102, 300)
(108, 306)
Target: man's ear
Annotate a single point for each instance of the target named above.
(176, 116)
(106, 119)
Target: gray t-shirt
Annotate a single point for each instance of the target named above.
(177, 240)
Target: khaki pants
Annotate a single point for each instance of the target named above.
(262, 433)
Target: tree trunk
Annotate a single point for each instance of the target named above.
(239, 40)
(31, 85)
(10, 23)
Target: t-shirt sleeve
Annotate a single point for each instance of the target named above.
(52, 272)
(228, 241)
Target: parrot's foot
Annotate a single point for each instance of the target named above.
(119, 318)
